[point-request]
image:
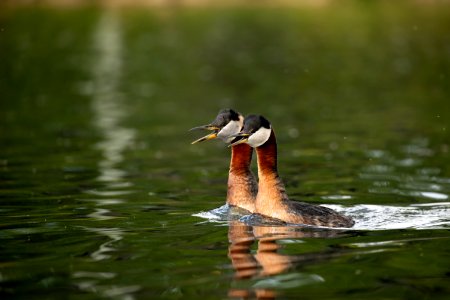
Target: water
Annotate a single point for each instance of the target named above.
(102, 195)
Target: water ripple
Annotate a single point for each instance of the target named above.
(288, 281)
(108, 112)
(222, 214)
(107, 101)
(101, 214)
(434, 195)
(114, 235)
(381, 217)
(96, 275)
(366, 216)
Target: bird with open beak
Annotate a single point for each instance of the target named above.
(242, 184)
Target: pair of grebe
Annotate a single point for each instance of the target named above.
(267, 197)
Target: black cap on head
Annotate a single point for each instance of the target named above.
(224, 117)
(254, 122)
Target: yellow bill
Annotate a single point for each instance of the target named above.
(205, 138)
(241, 141)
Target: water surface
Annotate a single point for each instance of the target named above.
(102, 195)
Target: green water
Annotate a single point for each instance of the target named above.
(102, 195)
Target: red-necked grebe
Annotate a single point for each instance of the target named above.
(272, 200)
(242, 185)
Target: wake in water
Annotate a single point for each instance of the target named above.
(366, 216)
(381, 217)
(223, 214)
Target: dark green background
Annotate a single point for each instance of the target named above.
(357, 91)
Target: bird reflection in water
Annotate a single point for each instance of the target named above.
(267, 262)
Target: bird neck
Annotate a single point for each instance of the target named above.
(241, 158)
(270, 188)
(267, 157)
(242, 186)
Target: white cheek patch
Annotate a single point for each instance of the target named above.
(232, 128)
(241, 120)
(259, 137)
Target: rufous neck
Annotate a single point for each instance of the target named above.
(271, 190)
(241, 158)
(267, 157)
(242, 186)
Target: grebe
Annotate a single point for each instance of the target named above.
(272, 200)
(242, 185)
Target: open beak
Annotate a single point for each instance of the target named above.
(210, 136)
(240, 138)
